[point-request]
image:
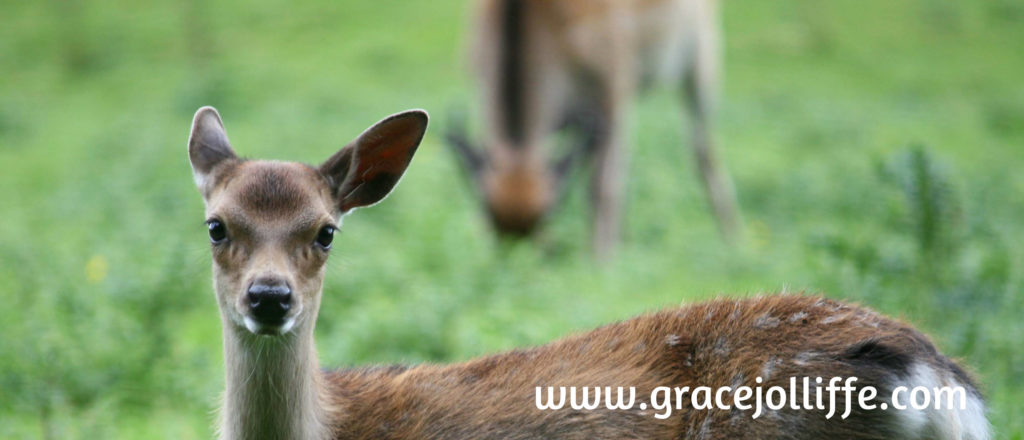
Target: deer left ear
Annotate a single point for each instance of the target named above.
(208, 146)
(367, 169)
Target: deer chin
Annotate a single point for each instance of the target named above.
(269, 329)
(516, 224)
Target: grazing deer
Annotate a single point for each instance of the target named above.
(548, 64)
(271, 225)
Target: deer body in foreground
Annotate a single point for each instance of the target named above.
(271, 227)
(547, 64)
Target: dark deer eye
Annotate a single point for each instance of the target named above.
(325, 237)
(218, 233)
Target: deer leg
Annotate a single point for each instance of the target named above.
(607, 183)
(701, 90)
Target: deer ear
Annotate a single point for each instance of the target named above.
(365, 171)
(472, 159)
(208, 145)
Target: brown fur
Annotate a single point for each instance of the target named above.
(718, 343)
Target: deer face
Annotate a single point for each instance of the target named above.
(272, 224)
(517, 192)
(517, 186)
(271, 229)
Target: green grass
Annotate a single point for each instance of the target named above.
(876, 147)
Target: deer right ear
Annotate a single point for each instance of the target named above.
(366, 170)
(208, 145)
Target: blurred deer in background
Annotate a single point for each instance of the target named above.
(547, 65)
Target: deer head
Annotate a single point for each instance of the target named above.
(518, 186)
(271, 223)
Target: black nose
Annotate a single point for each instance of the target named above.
(269, 300)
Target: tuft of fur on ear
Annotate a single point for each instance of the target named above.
(208, 145)
(365, 171)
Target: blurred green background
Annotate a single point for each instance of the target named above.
(877, 148)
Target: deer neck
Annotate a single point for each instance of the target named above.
(273, 386)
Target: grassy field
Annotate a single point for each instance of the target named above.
(877, 148)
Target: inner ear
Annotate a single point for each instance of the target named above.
(365, 171)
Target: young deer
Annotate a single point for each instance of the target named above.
(548, 64)
(271, 226)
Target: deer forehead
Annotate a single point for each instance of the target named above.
(268, 193)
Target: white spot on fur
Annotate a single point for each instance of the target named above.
(769, 367)
(834, 318)
(826, 304)
(672, 340)
(735, 313)
(804, 357)
(798, 316)
(766, 321)
(867, 321)
(945, 423)
(972, 421)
